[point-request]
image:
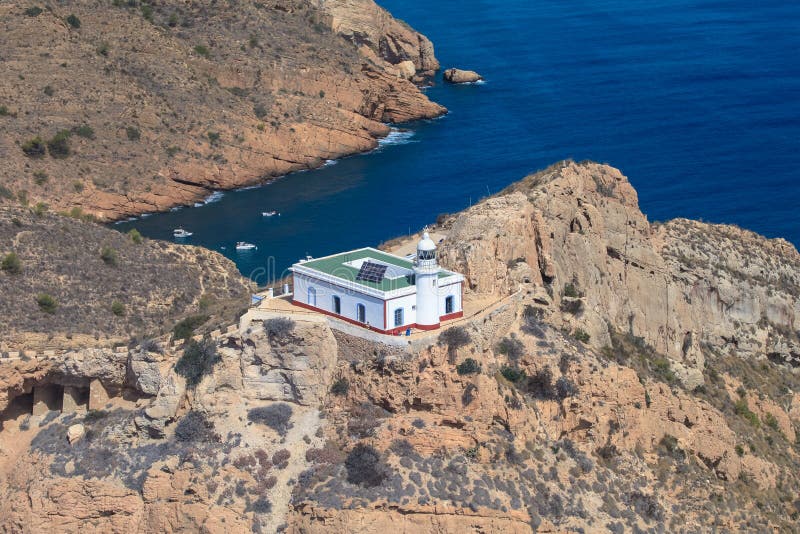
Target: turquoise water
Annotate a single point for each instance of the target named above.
(697, 103)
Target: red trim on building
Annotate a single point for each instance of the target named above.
(451, 316)
(427, 326)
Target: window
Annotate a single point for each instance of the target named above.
(426, 254)
(361, 313)
(398, 317)
(337, 305)
(312, 296)
(449, 305)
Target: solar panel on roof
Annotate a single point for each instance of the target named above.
(371, 272)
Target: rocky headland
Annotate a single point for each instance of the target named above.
(122, 108)
(628, 376)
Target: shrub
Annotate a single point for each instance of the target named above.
(572, 306)
(512, 375)
(74, 21)
(739, 450)
(48, 90)
(581, 335)
(172, 150)
(278, 327)
(511, 347)
(198, 358)
(571, 291)
(102, 49)
(202, 50)
(565, 388)
(133, 133)
(186, 327)
(109, 256)
(46, 303)
(194, 426)
(540, 384)
(741, 408)
(455, 338)
(340, 387)
(11, 264)
(276, 416)
(34, 148)
(34, 11)
(468, 367)
(771, 421)
(260, 110)
(364, 419)
(4, 111)
(281, 458)
(365, 467)
(135, 236)
(40, 177)
(78, 186)
(118, 308)
(213, 137)
(5, 192)
(84, 130)
(58, 145)
(147, 12)
(151, 345)
(39, 209)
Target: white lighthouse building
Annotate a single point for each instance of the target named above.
(381, 291)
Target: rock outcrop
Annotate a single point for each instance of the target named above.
(159, 106)
(461, 76)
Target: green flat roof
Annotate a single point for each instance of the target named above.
(335, 266)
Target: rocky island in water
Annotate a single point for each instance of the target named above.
(609, 374)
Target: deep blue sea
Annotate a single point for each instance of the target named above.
(697, 102)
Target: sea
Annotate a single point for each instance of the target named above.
(696, 101)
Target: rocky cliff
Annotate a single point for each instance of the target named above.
(122, 108)
(567, 406)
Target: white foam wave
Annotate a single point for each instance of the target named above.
(397, 136)
(329, 162)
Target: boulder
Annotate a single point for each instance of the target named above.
(461, 76)
(75, 432)
(143, 373)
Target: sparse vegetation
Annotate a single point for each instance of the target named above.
(74, 21)
(103, 49)
(46, 303)
(40, 177)
(198, 358)
(58, 145)
(202, 50)
(135, 236)
(195, 427)
(118, 308)
(34, 148)
(33, 11)
(511, 347)
(512, 375)
(213, 138)
(365, 466)
(186, 327)
(455, 338)
(48, 90)
(741, 408)
(11, 264)
(279, 328)
(341, 387)
(468, 367)
(84, 130)
(109, 256)
(581, 335)
(133, 133)
(276, 416)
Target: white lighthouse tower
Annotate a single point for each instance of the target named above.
(426, 271)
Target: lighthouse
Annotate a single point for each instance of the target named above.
(426, 272)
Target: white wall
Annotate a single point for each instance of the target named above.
(453, 290)
(408, 303)
(349, 299)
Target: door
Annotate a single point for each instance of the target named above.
(337, 305)
(449, 304)
(361, 313)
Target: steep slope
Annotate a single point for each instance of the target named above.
(158, 103)
(105, 286)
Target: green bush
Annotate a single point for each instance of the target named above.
(195, 427)
(102, 49)
(147, 12)
(58, 145)
(40, 177)
(276, 416)
(340, 387)
(213, 137)
(34, 11)
(198, 358)
(84, 130)
(11, 264)
(455, 337)
(118, 308)
(365, 466)
(571, 291)
(186, 327)
(511, 347)
(260, 110)
(202, 50)
(39, 209)
(172, 150)
(468, 367)
(741, 408)
(581, 335)
(133, 133)
(739, 450)
(512, 375)
(48, 90)
(34, 148)
(6, 192)
(109, 256)
(135, 236)
(74, 21)
(3, 111)
(46, 303)
(771, 421)
(78, 186)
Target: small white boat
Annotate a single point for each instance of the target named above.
(270, 213)
(241, 245)
(180, 232)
